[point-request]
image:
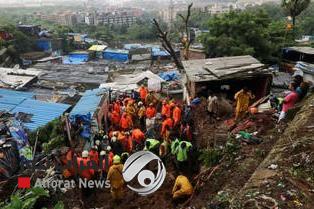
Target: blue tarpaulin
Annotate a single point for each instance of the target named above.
(158, 52)
(116, 55)
(86, 121)
(44, 44)
(76, 58)
(19, 135)
(170, 75)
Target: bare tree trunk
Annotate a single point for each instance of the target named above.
(163, 36)
(187, 43)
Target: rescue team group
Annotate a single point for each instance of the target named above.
(141, 121)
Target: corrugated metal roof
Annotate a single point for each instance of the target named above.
(42, 112)
(221, 68)
(302, 49)
(88, 102)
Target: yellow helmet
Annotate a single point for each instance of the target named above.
(116, 159)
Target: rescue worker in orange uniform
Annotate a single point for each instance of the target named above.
(143, 92)
(116, 179)
(176, 115)
(123, 139)
(165, 109)
(138, 136)
(117, 106)
(151, 111)
(126, 122)
(84, 161)
(93, 154)
(115, 118)
(166, 123)
(64, 159)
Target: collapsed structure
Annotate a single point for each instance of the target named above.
(226, 74)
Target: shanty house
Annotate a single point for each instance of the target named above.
(97, 50)
(32, 30)
(116, 55)
(92, 110)
(78, 57)
(226, 74)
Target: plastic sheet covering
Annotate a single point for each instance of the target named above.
(154, 85)
(75, 59)
(43, 44)
(19, 135)
(86, 133)
(9, 161)
(305, 67)
(116, 55)
(170, 75)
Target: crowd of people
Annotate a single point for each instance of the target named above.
(142, 120)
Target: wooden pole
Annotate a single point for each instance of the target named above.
(66, 115)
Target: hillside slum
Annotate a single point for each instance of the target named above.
(237, 131)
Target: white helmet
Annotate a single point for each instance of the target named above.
(140, 103)
(108, 148)
(105, 137)
(85, 153)
(102, 153)
(97, 142)
(114, 139)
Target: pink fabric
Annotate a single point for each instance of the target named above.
(289, 101)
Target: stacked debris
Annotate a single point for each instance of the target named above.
(15, 150)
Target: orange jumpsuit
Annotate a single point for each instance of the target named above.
(93, 155)
(150, 112)
(86, 173)
(138, 135)
(176, 115)
(115, 118)
(166, 110)
(117, 107)
(143, 93)
(126, 122)
(168, 122)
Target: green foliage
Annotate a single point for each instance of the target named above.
(22, 43)
(295, 7)
(50, 136)
(59, 205)
(26, 201)
(210, 157)
(245, 33)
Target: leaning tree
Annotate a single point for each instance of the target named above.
(295, 7)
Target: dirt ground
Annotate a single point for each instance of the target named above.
(291, 184)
